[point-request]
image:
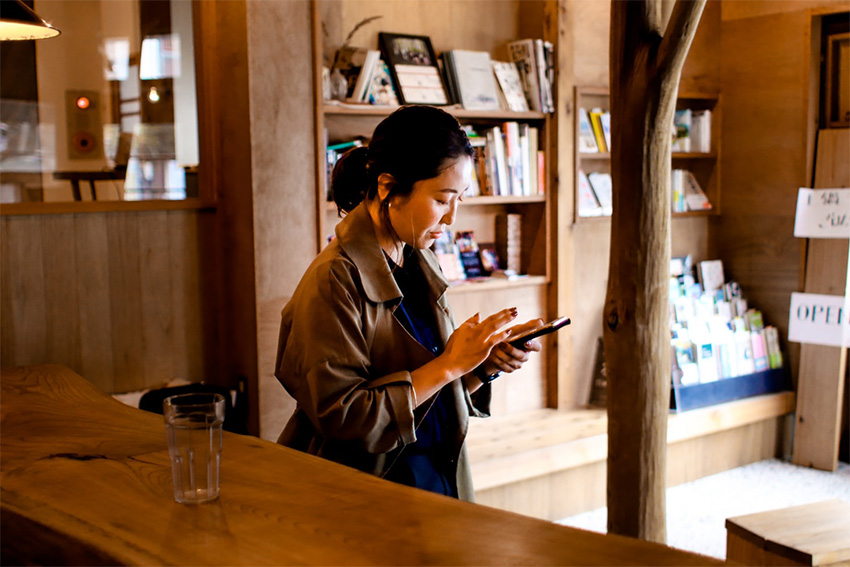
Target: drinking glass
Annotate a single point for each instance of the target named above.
(193, 423)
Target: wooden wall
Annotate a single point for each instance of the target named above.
(120, 298)
(767, 149)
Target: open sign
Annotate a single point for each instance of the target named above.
(819, 319)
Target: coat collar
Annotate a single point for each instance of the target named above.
(356, 237)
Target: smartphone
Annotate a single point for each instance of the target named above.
(550, 327)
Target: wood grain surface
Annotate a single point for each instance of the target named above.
(86, 480)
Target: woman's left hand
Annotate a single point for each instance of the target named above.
(505, 358)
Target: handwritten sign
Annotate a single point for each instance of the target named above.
(823, 213)
(819, 319)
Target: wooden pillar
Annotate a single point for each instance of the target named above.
(647, 55)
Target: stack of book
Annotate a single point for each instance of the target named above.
(535, 60)
(509, 241)
(691, 131)
(508, 161)
(715, 334)
(594, 130)
(687, 194)
(594, 194)
(462, 258)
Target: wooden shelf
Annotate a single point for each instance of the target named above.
(533, 295)
(73, 207)
(489, 284)
(456, 111)
(704, 165)
(676, 155)
(481, 201)
(499, 200)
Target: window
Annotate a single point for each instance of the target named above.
(106, 111)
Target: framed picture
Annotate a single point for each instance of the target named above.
(413, 67)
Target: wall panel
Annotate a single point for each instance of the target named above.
(114, 296)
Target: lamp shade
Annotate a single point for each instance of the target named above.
(18, 21)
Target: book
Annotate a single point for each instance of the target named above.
(448, 256)
(684, 350)
(498, 166)
(513, 157)
(605, 121)
(774, 353)
(602, 187)
(760, 357)
(700, 133)
(744, 351)
(522, 53)
(468, 251)
(381, 89)
(598, 130)
(677, 191)
(474, 79)
(533, 161)
(711, 274)
(681, 131)
(694, 197)
(541, 172)
(480, 164)
(364, 77)
(509, 81)
(588, 205)
(586, 139)
(525, 158)
(489, 257)
(706, 361)
(543, 78)
(449, 80)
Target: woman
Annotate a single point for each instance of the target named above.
(383, 381)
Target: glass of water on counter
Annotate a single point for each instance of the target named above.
(193, 423)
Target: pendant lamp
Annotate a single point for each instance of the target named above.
(18, 21)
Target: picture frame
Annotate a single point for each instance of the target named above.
(413, 68)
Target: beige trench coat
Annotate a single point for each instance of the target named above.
(346, 360)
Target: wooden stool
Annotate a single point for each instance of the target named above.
(811, 534)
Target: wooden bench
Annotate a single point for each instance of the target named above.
(811, 534)
(551, 464)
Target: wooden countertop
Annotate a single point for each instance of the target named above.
(85, 479)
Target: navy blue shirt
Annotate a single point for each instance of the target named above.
(426, 463)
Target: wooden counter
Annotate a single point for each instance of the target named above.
(85, 479)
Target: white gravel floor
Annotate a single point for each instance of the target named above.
(697, 511)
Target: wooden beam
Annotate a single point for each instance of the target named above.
(820, 385)
(646, 62)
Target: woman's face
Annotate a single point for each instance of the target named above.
(422, 216)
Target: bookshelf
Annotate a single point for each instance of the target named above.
(533, 294)
(704, 165)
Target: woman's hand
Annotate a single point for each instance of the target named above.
(472, 342)
(505, 358)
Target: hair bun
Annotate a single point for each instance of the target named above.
(350, 180)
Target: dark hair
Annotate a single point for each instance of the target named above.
(411, 144)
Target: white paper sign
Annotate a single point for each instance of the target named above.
(823, 213)
(819, 319)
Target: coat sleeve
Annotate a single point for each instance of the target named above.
(324, 363)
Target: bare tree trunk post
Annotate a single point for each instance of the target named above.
(647, 55)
